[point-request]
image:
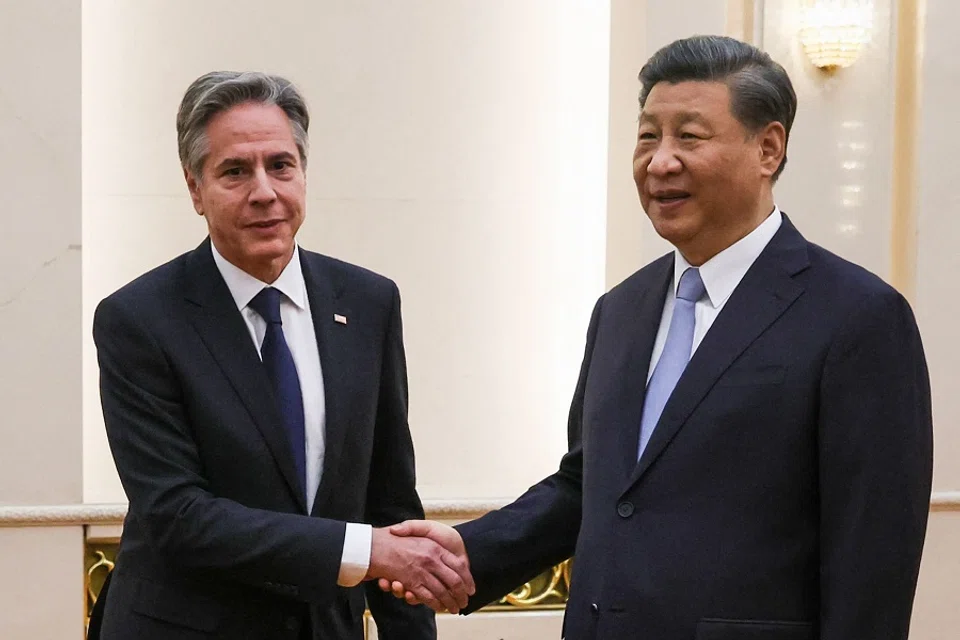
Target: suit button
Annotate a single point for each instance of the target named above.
(625, 509)
(594, 608)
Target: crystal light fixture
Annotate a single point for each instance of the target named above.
(833, 32)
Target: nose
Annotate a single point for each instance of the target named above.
(664, 161)
(262, 191)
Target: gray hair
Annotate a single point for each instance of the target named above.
(760, 89)
(218, 91)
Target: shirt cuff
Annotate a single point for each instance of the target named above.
(355, 560)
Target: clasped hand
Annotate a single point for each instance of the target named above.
(422, 562)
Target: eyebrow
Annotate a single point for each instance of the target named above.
(234, 161)
(684, 117)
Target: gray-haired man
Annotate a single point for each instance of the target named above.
(255, 400)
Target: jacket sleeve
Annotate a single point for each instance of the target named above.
(875, 452)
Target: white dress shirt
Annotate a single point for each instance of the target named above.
(299, 333)
(720, 274)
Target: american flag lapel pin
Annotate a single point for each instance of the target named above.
(339, 318)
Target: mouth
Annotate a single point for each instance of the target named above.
(266, 224)
(669, 199)
(669, 196)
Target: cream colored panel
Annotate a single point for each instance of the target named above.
(935, 614)
(40, 252)
(627, 224)
(836, 185)
(669, 20)
(508, 625)
(41, 593)
(938, 209)
(460, 151)
(493, 341)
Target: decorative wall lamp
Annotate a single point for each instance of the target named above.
(833, 32)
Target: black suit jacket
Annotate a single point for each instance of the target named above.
(784, 493)
(217, 542)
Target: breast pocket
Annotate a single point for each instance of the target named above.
(748, 391)
(765, 375)
(720, 629)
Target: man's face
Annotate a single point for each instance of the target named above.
(253, 188)
(703, 178)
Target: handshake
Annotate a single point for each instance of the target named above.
(422, 562)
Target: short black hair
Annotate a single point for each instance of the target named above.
(760, 89)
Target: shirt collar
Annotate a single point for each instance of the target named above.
(723, 272)
(243, 286)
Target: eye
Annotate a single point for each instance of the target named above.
(689, 135)
(647, 135)
(234, 172)
(280, 165)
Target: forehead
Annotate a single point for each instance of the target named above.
(250, 125)
(704, 100)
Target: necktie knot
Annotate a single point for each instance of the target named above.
(691, 285)
(267, 304)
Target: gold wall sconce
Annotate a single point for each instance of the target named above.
(833, 32)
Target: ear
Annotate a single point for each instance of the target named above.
(193, 185)
(772, 148)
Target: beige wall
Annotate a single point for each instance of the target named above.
(460, 151)
(40, 459)
(479, 157)
(502, 625)
(938, 206)
(40, 252)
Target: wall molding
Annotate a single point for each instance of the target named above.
(74, 515)
(70, 515)
(945, 501)
(78, 515)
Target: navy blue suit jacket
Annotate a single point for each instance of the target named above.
(784, 493)
(217, 542)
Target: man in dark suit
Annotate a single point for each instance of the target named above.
(750, 436)
(255, 400)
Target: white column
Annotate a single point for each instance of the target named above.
(40, 298)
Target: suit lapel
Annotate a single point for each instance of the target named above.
(765, 293)
(214, 314)
(324, 290)
(643, 318)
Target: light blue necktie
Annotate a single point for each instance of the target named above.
(676, 354)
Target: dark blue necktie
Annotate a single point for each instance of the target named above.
(283, 374)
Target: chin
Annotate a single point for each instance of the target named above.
(675, 231)
(277, 246)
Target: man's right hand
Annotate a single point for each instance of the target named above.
(444, 535)
(434, 574)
